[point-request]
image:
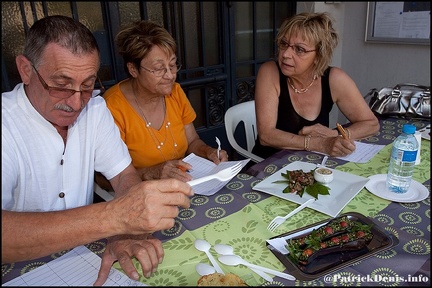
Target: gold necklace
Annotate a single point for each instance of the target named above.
(303, 90)
(159, 144)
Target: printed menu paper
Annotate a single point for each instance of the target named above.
(78, 267)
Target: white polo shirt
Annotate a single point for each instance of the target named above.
(38, 172)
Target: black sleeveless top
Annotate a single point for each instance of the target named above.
(288, 119)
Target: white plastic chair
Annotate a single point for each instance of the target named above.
(104, 194)
(243, 112)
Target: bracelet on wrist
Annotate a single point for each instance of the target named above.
(306, 142)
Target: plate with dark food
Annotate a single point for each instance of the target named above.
(295, 182)
(326, 246)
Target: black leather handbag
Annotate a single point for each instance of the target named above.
(403, 100)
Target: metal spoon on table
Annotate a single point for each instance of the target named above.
(224, 249)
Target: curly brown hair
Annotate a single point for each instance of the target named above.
(135, 40)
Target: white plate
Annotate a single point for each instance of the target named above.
(342, 189)
(377, 186)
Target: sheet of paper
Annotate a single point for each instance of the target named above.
(78, 267)
(363, 153)
(203, 167)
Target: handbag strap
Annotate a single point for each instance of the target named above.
(396, 91)
(422, 87)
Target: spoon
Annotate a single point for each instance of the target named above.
(234, 260)
(204, 269)
(204, 246)
(323, 162)
(224, 249)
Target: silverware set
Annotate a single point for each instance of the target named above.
(227, 257)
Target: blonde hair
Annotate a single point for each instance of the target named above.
(135, 40)
(316, 28)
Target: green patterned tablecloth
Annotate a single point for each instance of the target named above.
(238, 216)
(246, 229)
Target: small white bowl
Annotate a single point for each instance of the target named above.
(323, 175)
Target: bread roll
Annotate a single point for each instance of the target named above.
(217, 279)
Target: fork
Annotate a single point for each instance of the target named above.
(278, 220)
(223, 175)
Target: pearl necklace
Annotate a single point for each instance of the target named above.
(159, 144)
(303, 90)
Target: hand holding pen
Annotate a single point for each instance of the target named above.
(342, 131)
(221, 155)
(346, 135)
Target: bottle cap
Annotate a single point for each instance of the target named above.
(408, 129)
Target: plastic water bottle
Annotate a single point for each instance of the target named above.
(402, 160)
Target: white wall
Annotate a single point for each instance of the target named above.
(371, 65)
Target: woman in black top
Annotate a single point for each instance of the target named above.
(295, 94)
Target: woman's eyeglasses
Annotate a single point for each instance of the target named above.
(64, 93)
(161, 72)
(298, 50)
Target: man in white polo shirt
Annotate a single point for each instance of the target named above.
(55, 134)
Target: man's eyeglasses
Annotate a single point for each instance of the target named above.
(161, 72)
(64, 93)
(298, 50)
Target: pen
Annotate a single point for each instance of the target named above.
(342, 131)
(182, 168)
(219, 147)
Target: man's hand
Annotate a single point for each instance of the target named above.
(148, 206)
(145, 248)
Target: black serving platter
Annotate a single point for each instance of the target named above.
(382, 240)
